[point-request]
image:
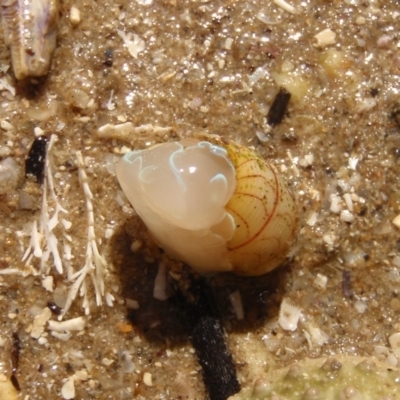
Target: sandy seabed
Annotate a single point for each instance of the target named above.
(173, 69)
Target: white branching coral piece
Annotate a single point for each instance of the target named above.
(49, 236)
(95, 264)
(44, 241)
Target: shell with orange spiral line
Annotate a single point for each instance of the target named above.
(264, 212)
(214, 204)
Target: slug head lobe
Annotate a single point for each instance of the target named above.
(187, 186)
(180, 193)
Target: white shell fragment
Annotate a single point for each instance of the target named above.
(74, 324)
(321, 281)
(317, 335)
(325, 37)
(30, 53)
(68, 389)
(289, 316)
(135, 45)
(39, 323)
(216, 207)
(360, 306)
(236, 301)
(346, 216)
(312, 219)
(48, 283)
(5, 85)
(126, 130)
(286, 6)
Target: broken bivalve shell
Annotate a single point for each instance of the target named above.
(29, 28)
(216, 206)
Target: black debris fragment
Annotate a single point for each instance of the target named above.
(374, 92)
(15, 382)
(109, 58)
(208, 339)
(54, 308)
(278, 107)
(34, 164)
(347, 286)
(15, 348)
(219, 372)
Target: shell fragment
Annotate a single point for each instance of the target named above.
(29, 28)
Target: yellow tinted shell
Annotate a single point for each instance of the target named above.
(264, 212)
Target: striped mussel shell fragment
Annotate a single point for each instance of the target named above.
(30, 28)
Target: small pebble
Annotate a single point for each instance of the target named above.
(147, 379)
(68, 389)
(360, 306)
(394, 341)
(6, 125)
(321, 281)
(75, 16)
(396, 221)
(325, 37)
(384, 41)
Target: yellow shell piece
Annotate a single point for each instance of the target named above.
(264, 212)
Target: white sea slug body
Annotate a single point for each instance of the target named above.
(216, 206)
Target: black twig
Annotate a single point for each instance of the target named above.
(208, 339)
(15, 348)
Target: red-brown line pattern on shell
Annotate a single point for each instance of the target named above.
(278, 193)
(262, 239)
(260, 255)
(232, 211)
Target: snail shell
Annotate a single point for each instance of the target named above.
(215, 205)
